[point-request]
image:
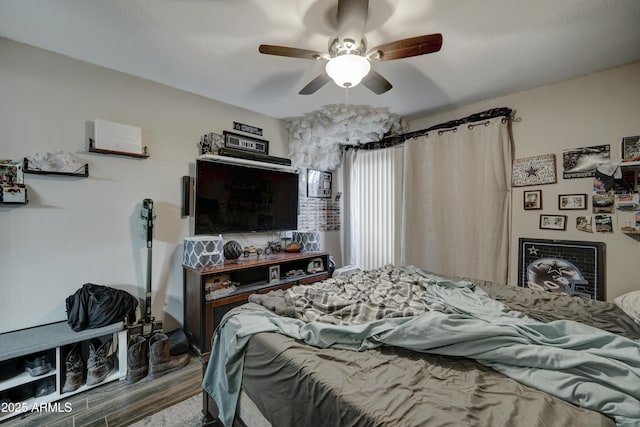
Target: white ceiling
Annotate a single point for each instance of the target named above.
(210, 47)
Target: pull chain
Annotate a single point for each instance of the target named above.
(346, 104)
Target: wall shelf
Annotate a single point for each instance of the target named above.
(143, 155)
(83, 174)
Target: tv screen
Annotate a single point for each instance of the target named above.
(236, 198)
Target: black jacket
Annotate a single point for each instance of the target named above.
(94, 306)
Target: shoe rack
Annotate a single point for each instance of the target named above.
(54, 340)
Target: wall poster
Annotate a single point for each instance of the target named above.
(582, 162)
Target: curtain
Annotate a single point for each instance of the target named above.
(348, 238)
(456, 204)
(373, 194)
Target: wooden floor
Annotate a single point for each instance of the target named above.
(117, 404)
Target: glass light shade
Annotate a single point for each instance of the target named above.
(348, 70)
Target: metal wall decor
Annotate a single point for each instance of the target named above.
(534, 170)
(247, 128)
(562, 266)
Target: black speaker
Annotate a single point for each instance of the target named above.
(232, 152)
(186, 196)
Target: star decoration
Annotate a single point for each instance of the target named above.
(532, 172)
(554, 268)
(533, 251)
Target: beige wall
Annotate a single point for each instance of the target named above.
(597, 109)
(79, 230)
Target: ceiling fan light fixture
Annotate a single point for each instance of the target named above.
(348, 70)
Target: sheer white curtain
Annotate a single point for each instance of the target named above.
(373, 194)
(456, 204)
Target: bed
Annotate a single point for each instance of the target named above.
(398, 346)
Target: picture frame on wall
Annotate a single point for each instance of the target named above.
(553, 222)
(532, 200)
(319, 184)
(568, 202)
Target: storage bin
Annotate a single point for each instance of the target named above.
(309, 240)
(203, 252)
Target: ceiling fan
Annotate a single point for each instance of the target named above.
(349, 60)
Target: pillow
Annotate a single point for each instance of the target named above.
(630, 304)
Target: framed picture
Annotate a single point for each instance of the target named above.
(319, 184)
(572, 202)
(274, 273)
(563, 266)
(532, 200)
(245, 143)
(553, 222)
(534, 170)
(631, 148)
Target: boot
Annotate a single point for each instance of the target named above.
(74, 370)
(100, 362)
(137, 359)
(160, 359)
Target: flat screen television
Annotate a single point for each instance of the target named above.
(233, 198)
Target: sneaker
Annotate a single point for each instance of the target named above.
(37, 365)
(46, 386)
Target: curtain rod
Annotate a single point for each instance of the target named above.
(444, 127)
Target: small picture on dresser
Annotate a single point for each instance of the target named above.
(274, 273)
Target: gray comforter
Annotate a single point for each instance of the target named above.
(430, 314)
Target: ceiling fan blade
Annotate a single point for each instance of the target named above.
(406, 48)
(376, 83)
(315, 84)
(291, 52)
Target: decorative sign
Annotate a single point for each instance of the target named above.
(534, 170)
(582, 162)
(246, 143)
(246, 128)
(562, 266)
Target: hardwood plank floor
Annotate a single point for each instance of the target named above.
(117, 404)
